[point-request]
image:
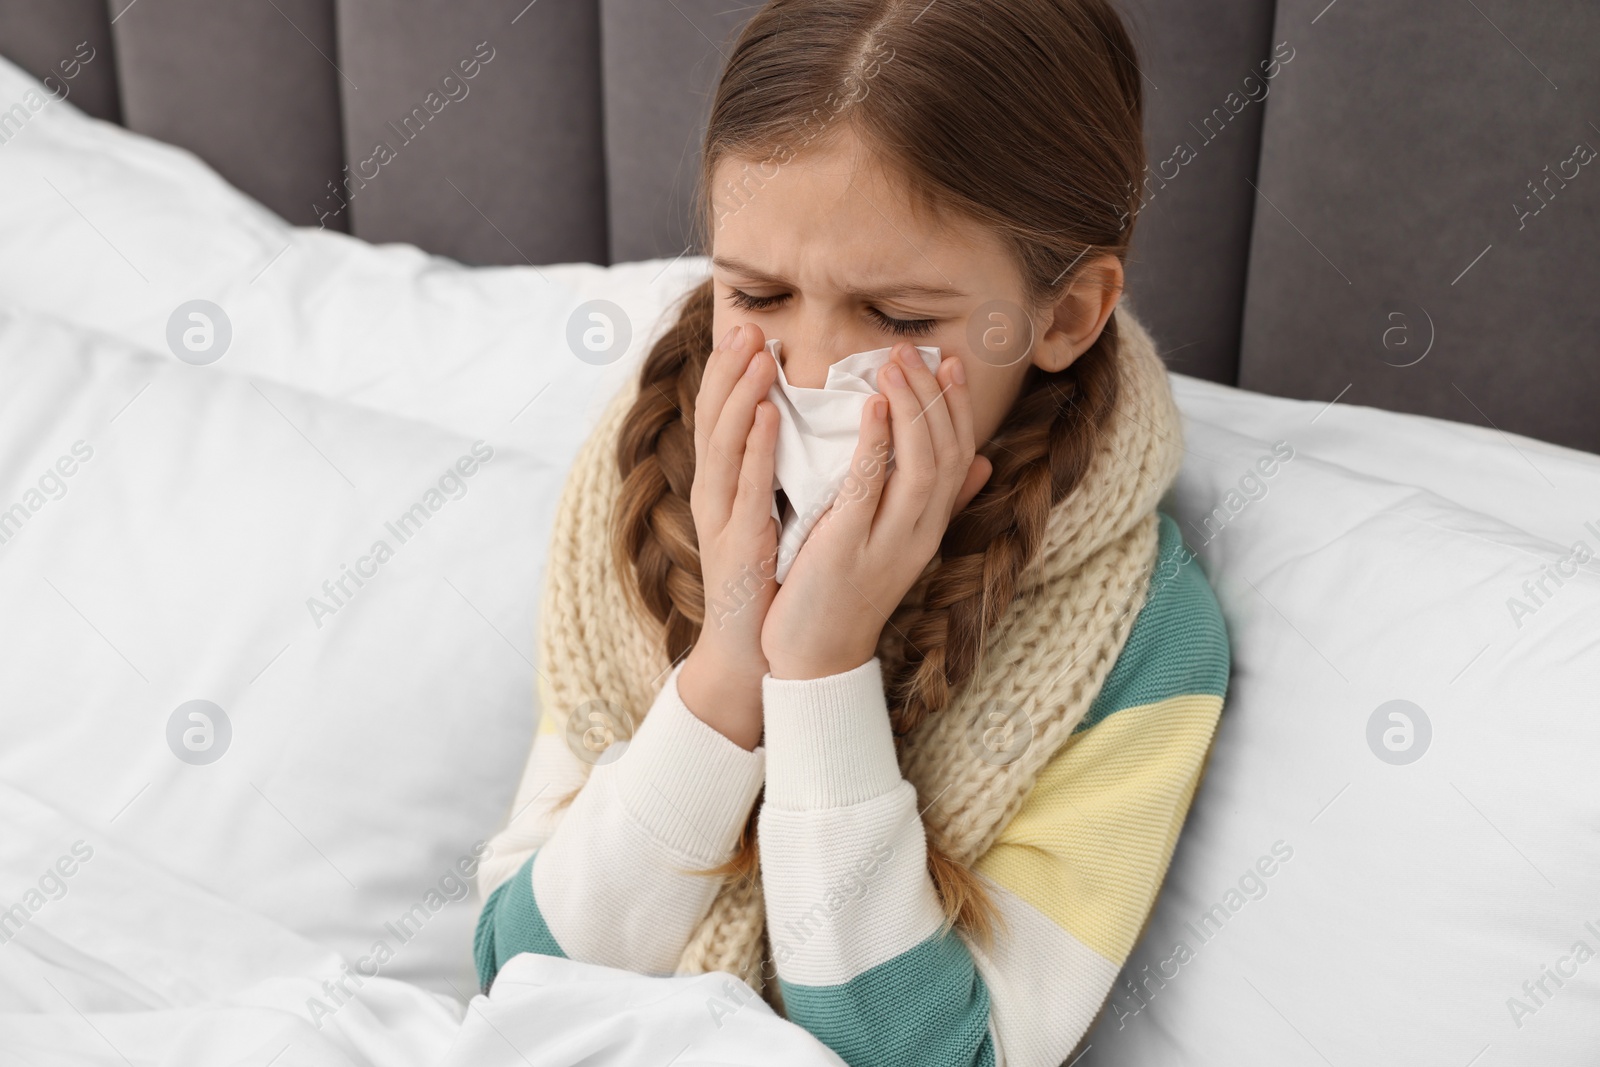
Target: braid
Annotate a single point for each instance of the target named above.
(1040, 453)
(654, 532)
(653, 535)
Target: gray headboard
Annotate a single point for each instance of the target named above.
(1403, 216)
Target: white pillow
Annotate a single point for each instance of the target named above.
(1335, 905)
(369, 754)
(116, 231)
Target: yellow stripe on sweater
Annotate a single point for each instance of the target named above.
(1091, 844)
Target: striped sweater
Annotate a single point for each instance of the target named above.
(852, 914)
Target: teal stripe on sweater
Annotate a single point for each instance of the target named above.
(1178, 644)
(510, 923)
(927, 1007)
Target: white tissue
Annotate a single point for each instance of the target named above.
(817, 432)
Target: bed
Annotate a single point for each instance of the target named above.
(244, 792)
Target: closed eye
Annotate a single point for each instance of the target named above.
(902, 327)
(747, 302)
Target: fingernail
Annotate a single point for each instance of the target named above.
(754, 366)
(895, 375)
(738, 336)
(958, 373)
(880, 408)
(727, 339)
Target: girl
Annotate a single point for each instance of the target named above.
(965, 729)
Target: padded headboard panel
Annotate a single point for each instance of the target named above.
(1403, 216)
(1434, 195)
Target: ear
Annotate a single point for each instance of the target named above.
(1080, 314)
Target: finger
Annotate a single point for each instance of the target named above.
(752, 503)
(958, 404)
(725, 447)
(858, 498)
(933, 389)
(723, 367)
(916, 473)
(958, 401)
(931, 405)
(716, 381)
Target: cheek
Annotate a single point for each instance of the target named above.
(724, 317)
(992, 392)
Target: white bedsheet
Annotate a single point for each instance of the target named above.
(144, 967)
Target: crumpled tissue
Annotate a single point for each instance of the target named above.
(817, 433)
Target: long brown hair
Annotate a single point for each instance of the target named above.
(1024, 115)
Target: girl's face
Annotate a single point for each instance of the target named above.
(826, 253)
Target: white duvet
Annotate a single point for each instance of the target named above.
(124, 963)
(193, 531)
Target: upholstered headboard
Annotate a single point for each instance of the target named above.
(1404, 215)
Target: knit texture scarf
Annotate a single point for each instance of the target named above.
(1050, 653)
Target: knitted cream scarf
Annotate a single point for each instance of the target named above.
(1050, 654)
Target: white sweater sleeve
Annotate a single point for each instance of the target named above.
(609, 877)
(843, 853)
(853, 916)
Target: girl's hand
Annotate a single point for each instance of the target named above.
(864, 555)
(736, 430)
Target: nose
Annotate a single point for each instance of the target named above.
(805, 360)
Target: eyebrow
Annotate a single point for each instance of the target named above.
(926, 292)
